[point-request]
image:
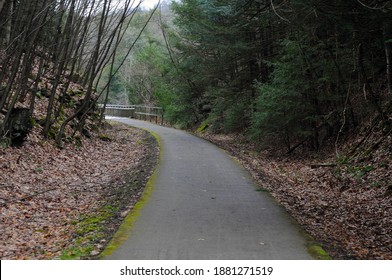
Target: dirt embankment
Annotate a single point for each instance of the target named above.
(66, 203)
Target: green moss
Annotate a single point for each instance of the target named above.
(54, 129)
(125, 228)
(317, 251)
(32, 122)
(203, 127)
(359, 171)
(5, 142)
(89, 230)
(71, 104)
(75, 253)
(39, 94)
(158, 139)
(78, 141)
(105, 138)
(62, 116)
(38, 170)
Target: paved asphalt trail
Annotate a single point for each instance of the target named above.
(206, 206)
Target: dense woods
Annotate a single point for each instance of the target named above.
(55, 51)
(302, 72)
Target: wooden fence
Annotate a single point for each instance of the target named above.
(141, 112)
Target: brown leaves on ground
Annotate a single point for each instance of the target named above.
(347, 207)
(44, 190)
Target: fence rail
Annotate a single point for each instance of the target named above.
(142, 112)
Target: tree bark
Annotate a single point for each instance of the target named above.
(5, 22)
(367, 87)
(388, 52)
(2, 2)
(61, 60)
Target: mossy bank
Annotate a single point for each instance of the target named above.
(97, 231)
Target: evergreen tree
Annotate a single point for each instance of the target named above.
(298, 71)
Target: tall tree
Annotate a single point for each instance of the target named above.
(253, 64)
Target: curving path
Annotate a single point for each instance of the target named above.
(206, 206)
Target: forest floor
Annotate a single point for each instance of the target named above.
(66, 203)
(345, 203)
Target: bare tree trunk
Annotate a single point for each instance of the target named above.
(102, 113)
(388, 52)
(91, 72)
(25, 65)
(2, 2)
(34, 89)
(367, 87)
(62, 63)
(5, 22)
(15, 58)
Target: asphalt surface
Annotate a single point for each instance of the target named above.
(206, 206)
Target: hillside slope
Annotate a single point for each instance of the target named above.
(66, 203)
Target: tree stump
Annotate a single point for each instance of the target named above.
(18, 126)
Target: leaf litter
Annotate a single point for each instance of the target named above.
(45, 192)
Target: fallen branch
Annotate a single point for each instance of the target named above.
(296, 146)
